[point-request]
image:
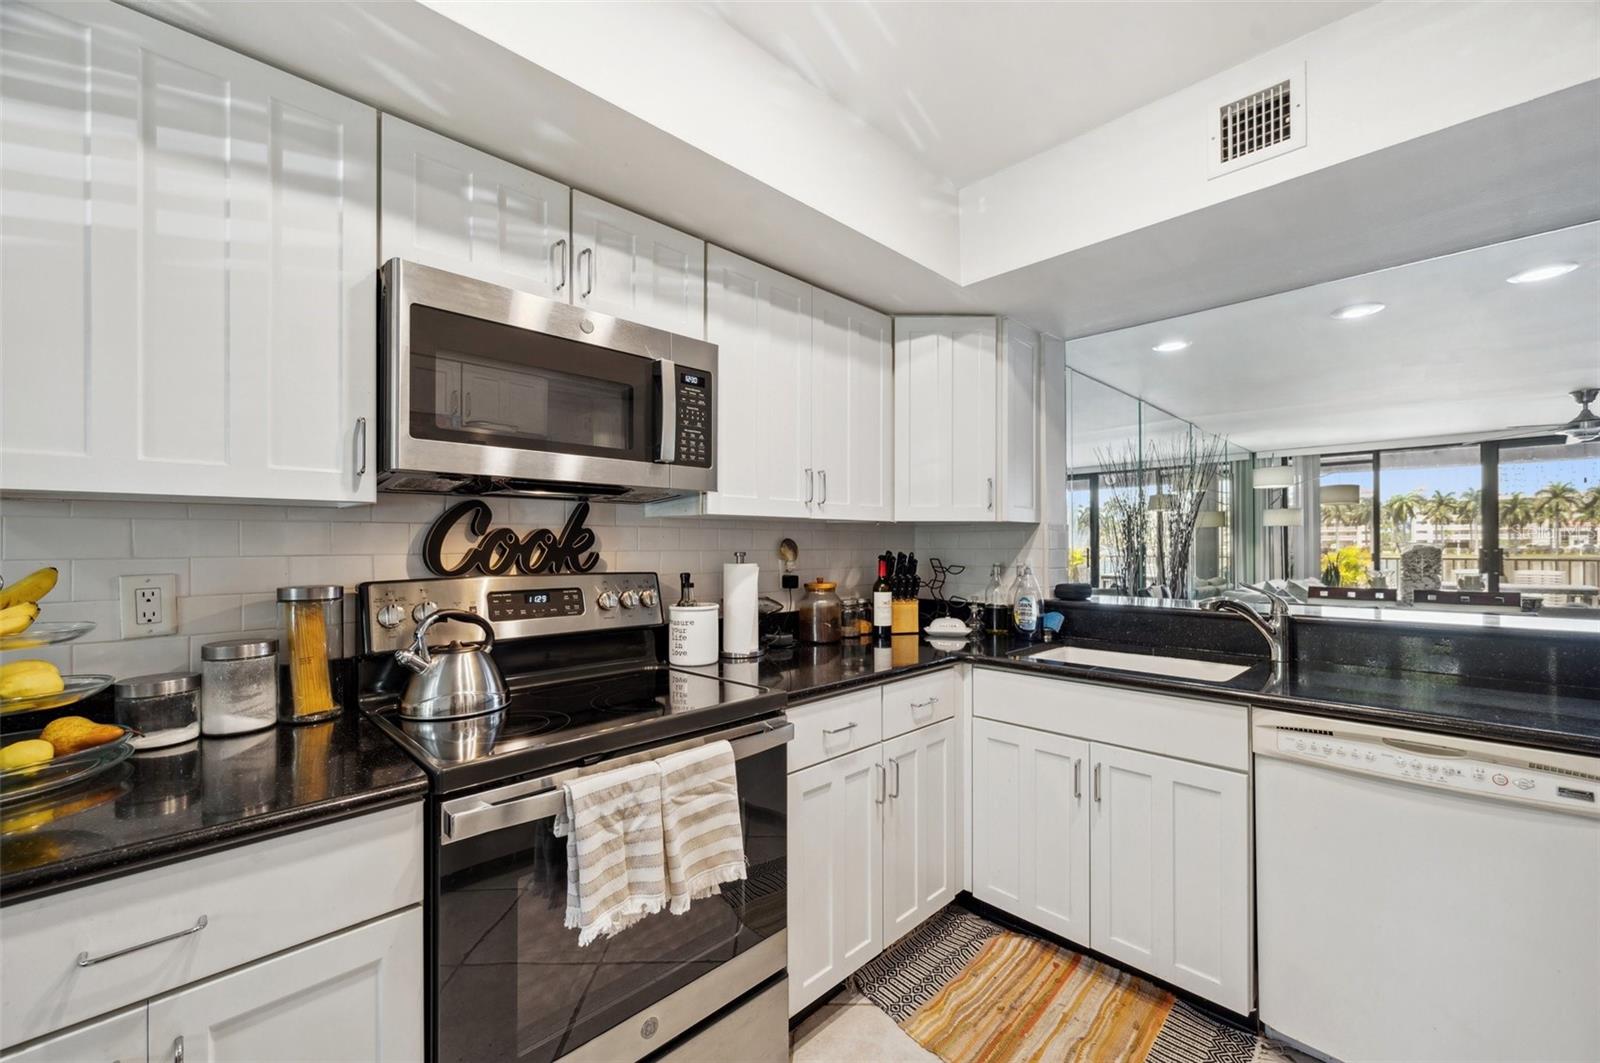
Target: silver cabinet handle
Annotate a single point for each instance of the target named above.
(924, 704)
(1077, 778)
(896, 791)
(822, 478)
(667, 442)
(1097, 782)
(588, 287)
(177, 1050)
(991, 492)
(838, 730)
(561, 260)
(361, 434)
(85, 960)
(809, 487)
(882, 782)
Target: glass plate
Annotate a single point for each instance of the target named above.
(46, 633)
(77, 688)
(21, 783)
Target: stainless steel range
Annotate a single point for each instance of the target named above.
(587, 690)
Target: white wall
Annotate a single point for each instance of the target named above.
(230, 559)
(1384, 75)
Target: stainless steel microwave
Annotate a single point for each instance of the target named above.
(490, 391)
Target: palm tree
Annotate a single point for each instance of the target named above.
(1516, 511)
(1469, 510)
(1440, 511)
(1557, 503)
(1589, 513)
(1401, 510)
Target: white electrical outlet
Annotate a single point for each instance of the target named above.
(149, 605)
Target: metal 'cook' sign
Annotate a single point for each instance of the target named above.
(500, 551)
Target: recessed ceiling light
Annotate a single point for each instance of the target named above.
(1358, 310)
(1542, 273)
(1171, 346)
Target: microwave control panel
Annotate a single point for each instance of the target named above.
(694, 418)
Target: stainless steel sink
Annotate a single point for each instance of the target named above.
(1177, 667)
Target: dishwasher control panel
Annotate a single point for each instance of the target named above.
(1442, 767)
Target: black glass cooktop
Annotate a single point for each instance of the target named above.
(575, 721)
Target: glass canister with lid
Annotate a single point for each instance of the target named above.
(310, 646)
(162, 709)
(820, 613)
(241, 686)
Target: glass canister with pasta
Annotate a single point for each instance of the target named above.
(310, 644)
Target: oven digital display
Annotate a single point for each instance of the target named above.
(693, 380)
(535, 605)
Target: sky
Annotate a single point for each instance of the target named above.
(1524, 476)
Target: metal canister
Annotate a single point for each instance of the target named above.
(820, 613)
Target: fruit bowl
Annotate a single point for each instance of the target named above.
(35, 779)
(46, 633)
(77, 688)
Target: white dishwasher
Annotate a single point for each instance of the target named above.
(1421, 897)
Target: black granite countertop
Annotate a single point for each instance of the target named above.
(208, 794)
(1543, 716)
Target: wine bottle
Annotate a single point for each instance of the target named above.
(882, 600)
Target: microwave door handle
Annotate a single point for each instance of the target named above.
(667, 444)
(480, 815)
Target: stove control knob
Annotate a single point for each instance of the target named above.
(422, 610)
(607, 600)
(647, 598)
(390, 616)
(630, 599)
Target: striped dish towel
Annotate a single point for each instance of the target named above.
(615, 867)
(700, 819)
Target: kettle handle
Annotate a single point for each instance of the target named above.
(455, 614)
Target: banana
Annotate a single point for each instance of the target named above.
(29, 588)
(18, 618)
(26, 679)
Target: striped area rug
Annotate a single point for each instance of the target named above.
(971, 991)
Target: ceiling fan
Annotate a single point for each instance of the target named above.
(1584, 428)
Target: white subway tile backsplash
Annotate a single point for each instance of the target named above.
(258, 610)
(653, 537)
(238, 575)
(98, 507)
(286, 537)
(208, 614)
(234, 511)
(166, 653)
(408, 508)
(370, 538)
(185, 538)
(346, 570)
(107, 617)
(62, 538)
(34, 507)
(96, 581)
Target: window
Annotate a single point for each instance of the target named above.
(1349, 538)
(1430, 497)
(1549, 520)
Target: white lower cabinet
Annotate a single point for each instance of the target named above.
(921, 813)
(1030, 825)
(118, 1038)
(874, 838)
(354, 996)
(835, 837)
(1170, 871)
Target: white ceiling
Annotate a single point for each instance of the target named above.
(1459, 352)
(938, 78)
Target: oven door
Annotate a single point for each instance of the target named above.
(490, 383)
(511, 982)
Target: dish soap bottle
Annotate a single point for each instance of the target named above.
(1025, 604)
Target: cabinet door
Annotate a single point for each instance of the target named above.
(852, 421)
(187, 284)
(835, 897)
(456, 208)
(1171, 871)
(760, 321)
(628, 266)
(1019, 397)
(118, 1038)
(354, 996)
(1030, 825)
(920, 827)
(945, 419)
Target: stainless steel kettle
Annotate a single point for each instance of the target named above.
(460, 679)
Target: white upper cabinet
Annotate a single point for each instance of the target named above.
(187, 267)
(1020, 449)
(459, 209)
(852, 410)
(945, 375)
(761, 322)
(628, 266)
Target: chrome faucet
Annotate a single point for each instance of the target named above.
(1274, 627)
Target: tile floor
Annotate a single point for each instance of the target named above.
(849, 1029)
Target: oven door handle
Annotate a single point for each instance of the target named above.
(539, 799)
(667, 443)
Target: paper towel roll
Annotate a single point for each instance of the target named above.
(741, 617)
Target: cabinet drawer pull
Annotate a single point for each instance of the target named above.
(1077, 778)
(1097, 782)
(85, 960)
(924, 704)
(588, 275)
(177, 1050)
(896, 791)
(991, 492)
(822, 493)
(361, 434)
(559, 251)
(838, 730)
(877, 769)
(810, 485)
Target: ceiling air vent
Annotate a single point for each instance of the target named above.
(1257, 126)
